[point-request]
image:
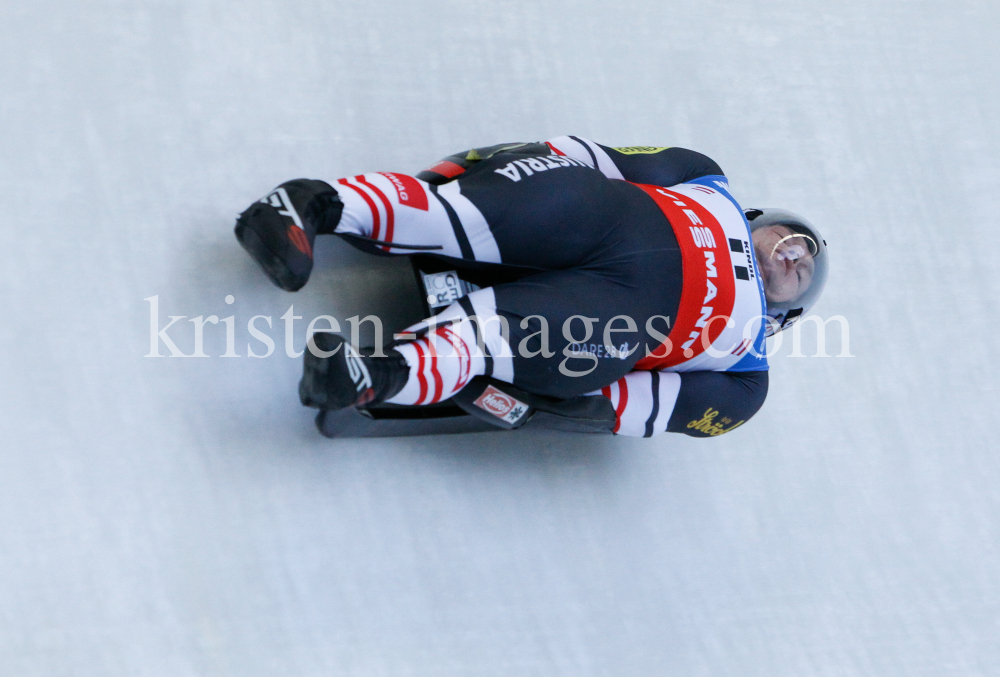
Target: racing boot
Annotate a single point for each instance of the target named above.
(279, 231)
(335, 376)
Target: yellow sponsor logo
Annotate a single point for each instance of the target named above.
(708, 425)
(640, 150)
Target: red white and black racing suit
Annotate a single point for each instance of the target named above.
(627, 273)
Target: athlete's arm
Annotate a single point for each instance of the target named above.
(639, 164)
(696, 403)
(662, 166)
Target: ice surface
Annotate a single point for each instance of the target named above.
(182, 517)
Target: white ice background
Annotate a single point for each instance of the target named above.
(183, 517)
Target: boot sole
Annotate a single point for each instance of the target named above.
(275, 268)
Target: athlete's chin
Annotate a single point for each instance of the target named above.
(779, 296)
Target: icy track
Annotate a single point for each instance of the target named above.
(182, 517)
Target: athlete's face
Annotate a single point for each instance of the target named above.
(785, 261)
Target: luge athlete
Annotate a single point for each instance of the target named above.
(626, 273)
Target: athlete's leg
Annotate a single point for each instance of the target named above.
(541, 212)
(390, 213)
(544, 334)
(555, 333)
(560, 216)
(547, 213)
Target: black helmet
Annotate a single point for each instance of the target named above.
(802, 243)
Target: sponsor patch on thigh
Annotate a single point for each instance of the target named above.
(501, 405)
